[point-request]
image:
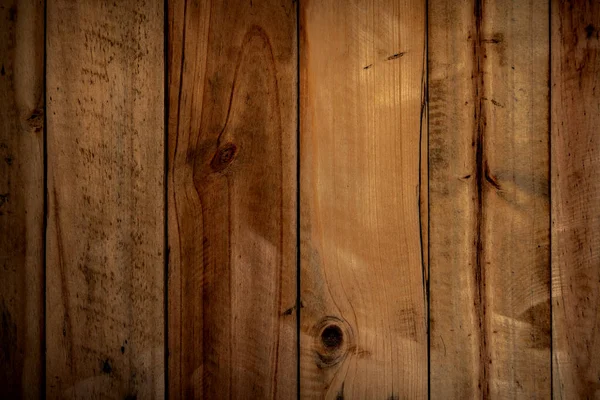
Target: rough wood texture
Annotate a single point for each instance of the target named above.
(21, 197)
(490, 257)
(363, 322)
(575, 198)
(453, 289)
(514, 216)
(232, 142)
(105, 243)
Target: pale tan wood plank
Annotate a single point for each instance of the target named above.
(105, 240)
(232, 199)
(21, 197)
(363, 325)
(455, 336)
(515, 219)
(576, 199)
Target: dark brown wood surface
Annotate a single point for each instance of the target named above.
(105, 239)
(576, 198)
(232, 199)
(441, 156)
(21, 198)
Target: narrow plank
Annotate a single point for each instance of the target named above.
(515, 214)
(105, 240)
(453, 288)
(575, 198)
(232, 191)
(490, 283)
(21, 197)
(363, 325)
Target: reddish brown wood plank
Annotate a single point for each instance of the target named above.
(105, 239)
(576, 198)
(21, 197)
(232, 141)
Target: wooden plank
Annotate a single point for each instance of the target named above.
(497, 236)
(232, 191)
(21, 197)
(515, 217)
(363, 325)
(105, 240)
(575, 196)
(455, 336)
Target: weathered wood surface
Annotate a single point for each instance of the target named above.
(515, 212)
(489, 163)
(455, 336)
(232, 199)
(105, 239)
(576, 198)
(363, 321)
(21, 198)
(429, 136)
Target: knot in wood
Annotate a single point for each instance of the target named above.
(224, 156)
(332, 340)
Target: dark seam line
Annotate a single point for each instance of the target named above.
(550, 195)
(45, 206)
(428, 202)
(298, 230)
(166, 192)
(479, 176)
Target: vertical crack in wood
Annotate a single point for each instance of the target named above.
(424, 125)
(478, 141)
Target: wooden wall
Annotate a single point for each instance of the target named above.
(317, 199)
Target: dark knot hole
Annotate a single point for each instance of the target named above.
(332, 337)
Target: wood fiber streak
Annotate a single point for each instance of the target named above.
(576, 198)
(232, 190)
(363, 327)
(21, 197)
(105, 239)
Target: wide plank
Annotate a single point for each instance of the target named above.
(514, 221)
(363, 322)
(514, 182)
(576, 198)
(105, 239)
(455, 336)
(21, 198)
(232, 199)
(490, 274)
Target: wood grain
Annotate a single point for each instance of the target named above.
(515, 214)
(232, 190)
(575, 198)
(363, 324)
(21, 197)
(490, 256)
(455, 336)
(105, 240)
